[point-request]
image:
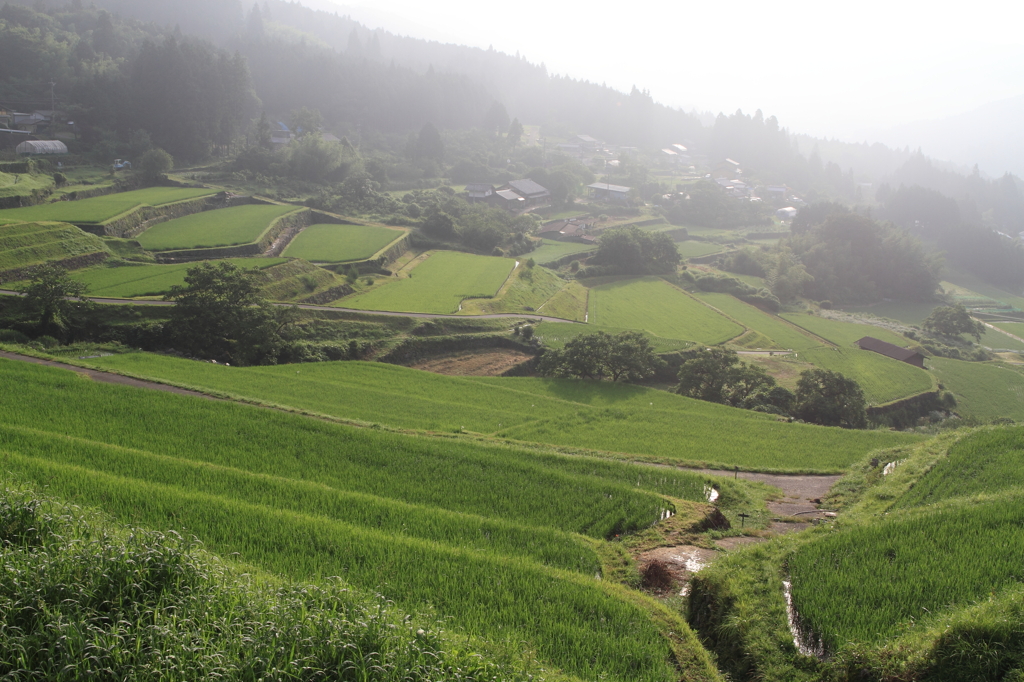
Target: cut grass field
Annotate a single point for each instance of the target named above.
(843, 334)
(652, 304)
(782, 334)
(985, 390)
(324, 243)
(551, 250)
(578, 414)
(100, 209)
(222, 227)
(27, 244)
(267, 486)
(437, 285)
(130, 281)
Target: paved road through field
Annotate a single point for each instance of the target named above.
(387, 313)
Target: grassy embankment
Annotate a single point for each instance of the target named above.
(130, 281)
(27, 244)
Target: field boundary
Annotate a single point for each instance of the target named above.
(135, 221)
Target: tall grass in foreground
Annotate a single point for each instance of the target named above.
(82, 599)
(576, 623)
(869, 583)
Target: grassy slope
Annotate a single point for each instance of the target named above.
(584, 626)
(99, 209)
(983, 390)
(563, 412)
(223, 227)
(26, 244)
(653, 305)
(903, 311)
(149, 280)
(437, 285)
(339, 243)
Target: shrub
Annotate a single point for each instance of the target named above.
(12, 336)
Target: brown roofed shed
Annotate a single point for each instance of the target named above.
(891, 350)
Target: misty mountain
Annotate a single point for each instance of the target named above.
(990, 136)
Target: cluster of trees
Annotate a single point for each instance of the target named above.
(631, 251)
(958, 230)
(952, 321)
(850, 257)
(822, 396)
(628, 356)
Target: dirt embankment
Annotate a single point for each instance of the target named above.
(479, 363)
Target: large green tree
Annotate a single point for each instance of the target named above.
(830, 399)
(717, 375)
(628, 356)
(635, 252)
(953, 320)
(52, 297)
(220, 314)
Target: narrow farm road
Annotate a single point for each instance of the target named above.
(301, 306)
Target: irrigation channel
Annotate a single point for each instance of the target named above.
(302, 306)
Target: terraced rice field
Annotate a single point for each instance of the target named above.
(653, 305)
(985, 462)
(437, 285)
(551, 250)
(601, 416)
(26, 244)
(870, 583)
(882, 379)
(324, 243)
(222, 227)
(903, 311)
(995, 338)
(783, 334)
(843, 333)
(150, 280)
(497, 541)
(100, 209)
(984, 390)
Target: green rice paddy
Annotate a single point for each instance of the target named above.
(131, 281)
(653, 305)
(882, 379)
(986, 390)
(843, 334)
(783, 334)
(437, 285)
(551, 250)
(100, 209)
(694, 249)
(223, 227)
(325, 243)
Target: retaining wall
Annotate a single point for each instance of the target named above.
(302, 217)
(73, 263)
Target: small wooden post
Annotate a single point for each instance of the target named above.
(743, 519)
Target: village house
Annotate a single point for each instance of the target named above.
(571, 230)
(508, 200)
(602, 191)
(479, 192)
(891, 350)
(533, 193)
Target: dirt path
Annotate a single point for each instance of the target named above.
(801, 490)
(481, 363)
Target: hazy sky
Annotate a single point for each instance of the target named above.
(837, 69)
